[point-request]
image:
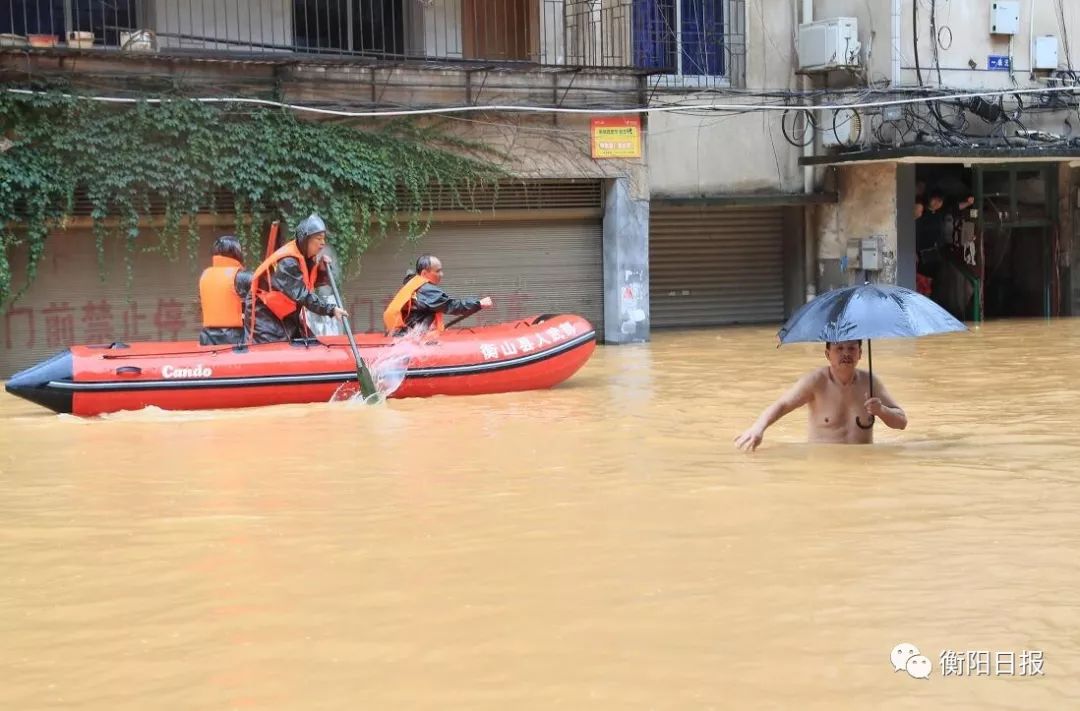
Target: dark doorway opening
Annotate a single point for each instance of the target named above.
(947, 267)
(989, 250)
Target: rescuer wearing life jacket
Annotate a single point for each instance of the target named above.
(285, 282)
(420, 302)
(222, 289)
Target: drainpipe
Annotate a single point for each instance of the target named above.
(810, 239)
(896, 40)
(1031, 40)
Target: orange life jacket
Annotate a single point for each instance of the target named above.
(221, 305)
(401, 306)
(278, 303)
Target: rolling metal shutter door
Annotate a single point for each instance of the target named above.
(711, 266)
(526, 267)
(69, 304)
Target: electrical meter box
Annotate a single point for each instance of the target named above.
(1004, 17)
(1046, 52)
(870, 257)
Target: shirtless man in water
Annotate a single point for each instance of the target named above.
(836, 394)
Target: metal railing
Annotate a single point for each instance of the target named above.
(676, 39)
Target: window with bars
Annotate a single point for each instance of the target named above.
(362, 26)
(105, 18)
(680, 37)
(689, 42)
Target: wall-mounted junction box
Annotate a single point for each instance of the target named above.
(1004, 17)
(1046, 52)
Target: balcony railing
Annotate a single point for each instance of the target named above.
(675, 38)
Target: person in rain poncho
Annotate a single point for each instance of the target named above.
(421, 304)
(284, 284)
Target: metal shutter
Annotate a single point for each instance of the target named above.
(68, 303)
(526, 267)
(711, 266)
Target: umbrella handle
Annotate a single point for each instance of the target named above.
(870, 358)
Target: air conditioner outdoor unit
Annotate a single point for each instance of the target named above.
(829, 44)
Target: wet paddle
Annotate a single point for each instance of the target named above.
(363, 376)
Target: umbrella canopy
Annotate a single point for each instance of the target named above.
(867, 311)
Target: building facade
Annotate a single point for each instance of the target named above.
(982, 122)
(754, 211)
(745, 201)
(568, 232)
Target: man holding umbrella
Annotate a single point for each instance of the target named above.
(838, 395)
(841, 397)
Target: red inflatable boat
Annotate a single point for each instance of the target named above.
(530, 354)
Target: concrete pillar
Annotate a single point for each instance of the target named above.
(905, 225)
(866, 207)
(1068, 238)
(626, 265)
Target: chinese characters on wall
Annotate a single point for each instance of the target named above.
(59, 323)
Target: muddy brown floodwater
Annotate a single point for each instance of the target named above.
(598, 546)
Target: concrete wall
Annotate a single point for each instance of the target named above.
(867, 207)
(969, 23)
(905, 225)
(732, 153)
(963, 36)
(973, 44)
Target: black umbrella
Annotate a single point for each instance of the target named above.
(867, 311)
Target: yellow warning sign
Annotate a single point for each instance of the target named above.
(616, 137)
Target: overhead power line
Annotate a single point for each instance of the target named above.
(740, 108)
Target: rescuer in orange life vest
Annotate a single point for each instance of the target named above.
(420, 302)
(222, 288)
(286, 281)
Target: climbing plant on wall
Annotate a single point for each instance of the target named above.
(180, 152)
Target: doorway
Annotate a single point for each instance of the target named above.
(991, 241)
(1017, 226)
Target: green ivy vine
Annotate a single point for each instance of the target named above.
(182, 151)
